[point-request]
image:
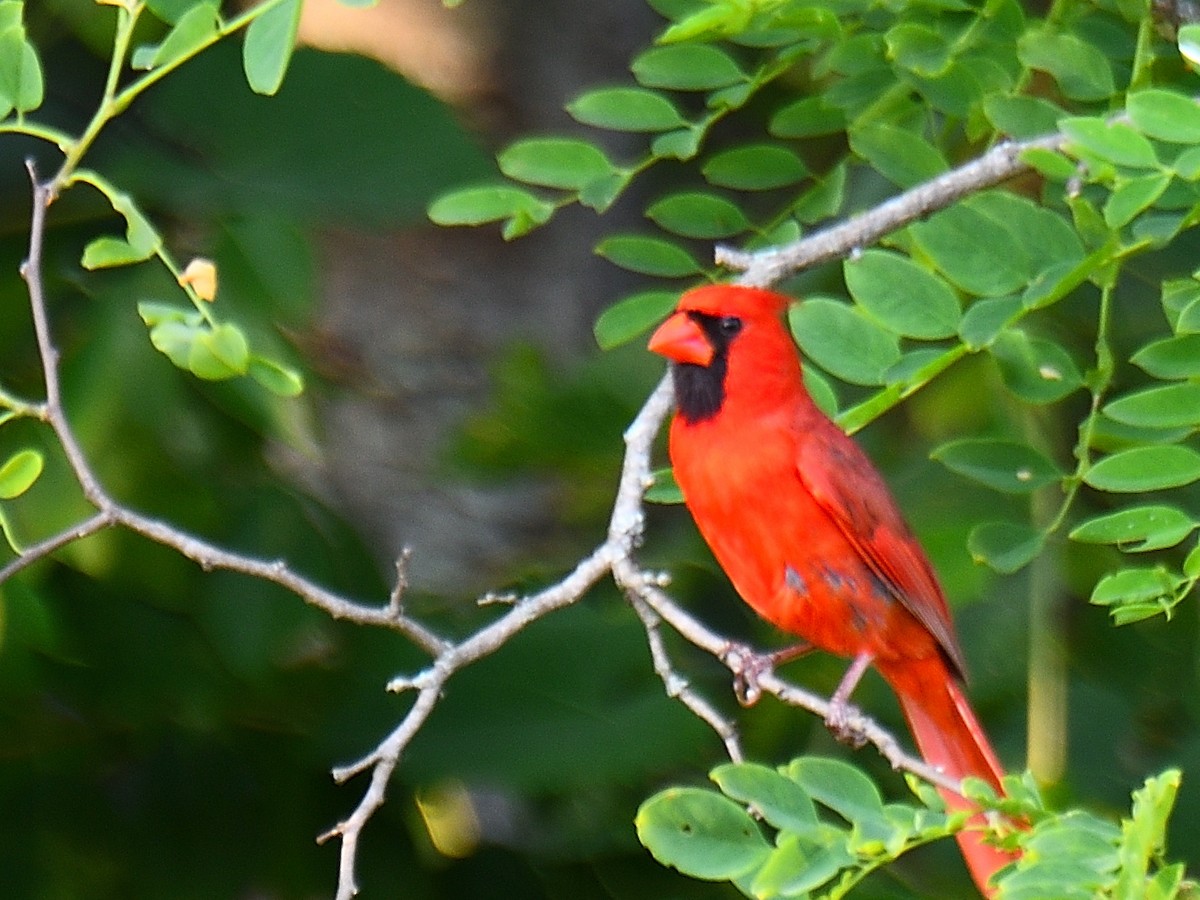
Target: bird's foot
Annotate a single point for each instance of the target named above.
(845, 722)
(749, 666)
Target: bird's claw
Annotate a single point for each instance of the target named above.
(845, 723)
(749, 666)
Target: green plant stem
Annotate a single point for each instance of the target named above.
(114, 101)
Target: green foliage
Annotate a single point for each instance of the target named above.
(819, 827)
(767, 119)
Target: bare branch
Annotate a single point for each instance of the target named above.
(999, 164)
(615, 557)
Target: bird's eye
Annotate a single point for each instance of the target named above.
(729, 325)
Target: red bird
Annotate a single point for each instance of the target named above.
(808, 532)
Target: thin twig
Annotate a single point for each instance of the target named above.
(615, 557)
(1002, 162)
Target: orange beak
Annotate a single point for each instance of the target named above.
(682, 340)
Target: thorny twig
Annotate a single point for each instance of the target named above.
(615, 557)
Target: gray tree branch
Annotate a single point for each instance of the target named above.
(616, 557)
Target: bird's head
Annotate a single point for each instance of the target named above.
(719, 333)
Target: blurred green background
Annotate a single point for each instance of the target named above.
(169, 733)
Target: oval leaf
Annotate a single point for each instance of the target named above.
(626, 319)
(1137, 529)
(1005, 547)
(755, 168)
(900, 155)
(1114, 142)
(626, 109)
(650, 256)
(1173, 357)
(843, 341)
(478, 205)
(268, 47)
(1081, 70)
(686, 67)
(563, 163)
(19, 472)
(697, 215)
(1036, 370)
(1003, 465)
(1145, 469)
(1170, 406)
(973, 250)
(220, 353)
(1165, 115)
(905, 297)
(277, 378)
(781, 801)
(700, 833)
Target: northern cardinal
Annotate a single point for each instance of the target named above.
(808, 532)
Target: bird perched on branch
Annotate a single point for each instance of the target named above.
(808, 532)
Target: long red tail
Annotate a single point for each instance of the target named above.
(951, 738)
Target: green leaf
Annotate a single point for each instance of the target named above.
(973, 250)
(140, 243)
(755, 168)
(1051, 163)
(698, 215)
(108, 252)
(1173, 357)
(564, 163)
(170, 11)
(1113, 142)
(267, 50)
(219, 353)
(823, 200)
(649, 256)
(280, 380)
(195, 29)
(478, 205)
(808, 117)
(838, 785)
(21, 83)
(1188, 40)
(843, 341)
(1133, 195)
(1139, 585)
(156, 313)
(796, 867)
(686, 67)
(628, 318)
(1047, 240)
(1136, 529)
(1081, 70)
(1165, 115)
(1003, 465)
(626, 109)
(781, 802)
(174, 339)
(902, 295)
(19, 472)
(681, 144)
(1005, 547)
(1145, 469)
(900, 155)
(1036, 370)
(919, 49)
(1021, 117)
(984, 320)
(1144, 833)
(664, 488)
(1169, 406)
(700, 833)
